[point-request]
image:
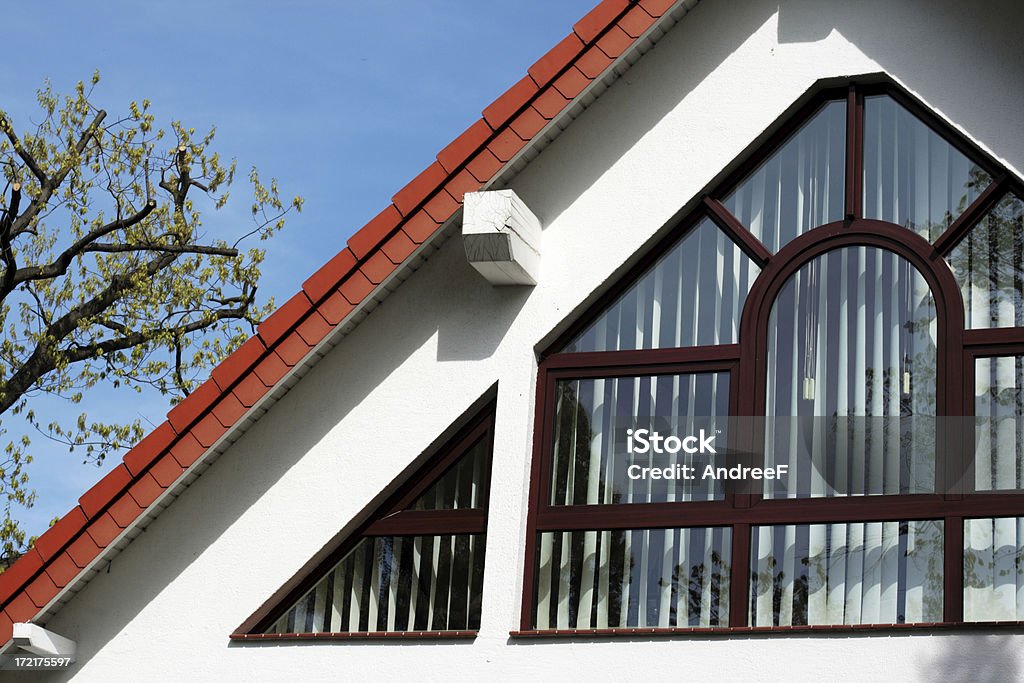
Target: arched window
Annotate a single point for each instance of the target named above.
(844, 318)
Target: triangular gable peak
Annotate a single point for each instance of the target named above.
(332, 301)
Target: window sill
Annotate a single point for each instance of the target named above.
(763, 630)
(355, 635)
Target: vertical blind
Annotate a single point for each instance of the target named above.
(847, 573)
(637, 578)
(989, 266)
(800, 186)
(591, 415)
(852, 337)
(999, 424)
(994, 569)
(396, 583)
(461, 487)
(912, 176)
(692, 296)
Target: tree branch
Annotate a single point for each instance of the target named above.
(167, 248)
(6, 250)
(23, 154)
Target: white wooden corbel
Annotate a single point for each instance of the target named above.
(37, 640)
(501, 237)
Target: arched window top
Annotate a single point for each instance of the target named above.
(866, 153)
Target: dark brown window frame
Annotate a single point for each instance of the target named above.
(390, 518)
(745, 363)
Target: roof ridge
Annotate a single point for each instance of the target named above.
(327, 298)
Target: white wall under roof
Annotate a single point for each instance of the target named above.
(603, 189)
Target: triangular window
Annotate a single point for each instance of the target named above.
(415, 566)
(692, 296)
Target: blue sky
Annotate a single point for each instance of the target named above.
(344, 102)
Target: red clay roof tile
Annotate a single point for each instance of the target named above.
(506, 145)
(498, 113)
(292, 349)
(145, 490)
(166, 471)
(614, 42)
(15, 576)
(186, 451)
(283, 319)
(462, 148)
(400, 247)
(461, 183)
(149, 449)
(597, 19)
(229, 409)
(356, 288)
(441, 206)
(83, 550)
(556, 59)
(58, 535)
(410, 196)
(21, 608)
(194, 405)
(314, 328)
(377, 267)
(572, 83)
(41, 590)
(549, 104)
(420, 226)
(332, 273)
(656, 8)
(529, 123)
(335, 307)
(369, 236)
(592, 63)
(6, 627)
(104, 529)
(106, 489)
(249, 390)
(62, 570)
(208, 430)
(124, 511)
(271, 369)
(635, 22)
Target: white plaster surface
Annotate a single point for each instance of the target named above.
(604, 188)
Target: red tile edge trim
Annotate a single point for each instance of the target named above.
(242, 379)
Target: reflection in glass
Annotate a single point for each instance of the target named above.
(999, 427)
(693, 296)
(800, 186)
(396, 583)
(912, 176)
(461, 487)
(989, 266)
(639, 578)
(852, 334)
(994, 569)
(591, 461)
(847, 573)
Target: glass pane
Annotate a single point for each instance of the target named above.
(461, 487)
(592, 464)
(799, 187)
(994, 569)
(989, 266)
(852, 358)
(855, 573)
(693, 296)
(912, 176)
(639, 578)
(396, 583)
(999, 424)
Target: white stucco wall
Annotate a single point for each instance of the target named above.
(603, 189)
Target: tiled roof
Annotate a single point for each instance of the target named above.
(288, 336)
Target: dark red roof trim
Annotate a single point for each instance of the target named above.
(285, 338)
